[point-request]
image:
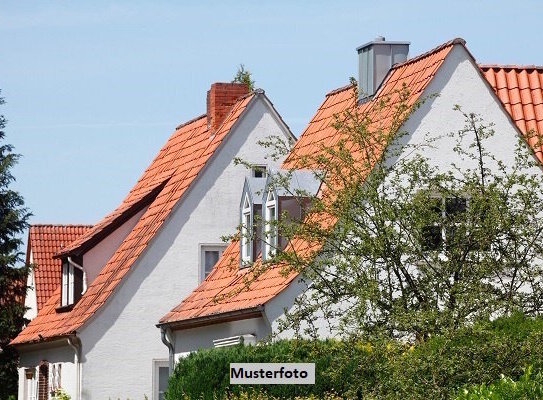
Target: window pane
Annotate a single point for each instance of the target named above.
(210, 259)
(431, 237)
(455, 205)
(162, 381)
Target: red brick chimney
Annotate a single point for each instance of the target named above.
(220, 99)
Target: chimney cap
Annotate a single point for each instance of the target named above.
(380, 40)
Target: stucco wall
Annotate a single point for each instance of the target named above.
(95, 259)
(120, 343)
(31, 302)
(59, 353)
(203, 337)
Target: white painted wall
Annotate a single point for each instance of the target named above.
(56, 353)
(202, 338)
(95, 259)
(120, 342)
(31, 302)
(457, 82)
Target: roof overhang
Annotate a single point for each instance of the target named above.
(237, 315)
(54, 341)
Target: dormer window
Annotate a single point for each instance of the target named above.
(246, 230)
(72, 282)
(270, 221)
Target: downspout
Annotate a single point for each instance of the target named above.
(267, 320)
(75, 344)
(84, 273)
(166, 336)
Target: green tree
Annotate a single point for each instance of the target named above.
(13, 221)
(244, 76)
(400, 248)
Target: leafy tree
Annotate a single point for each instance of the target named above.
(13, 221)
(244, 76)
(394, 246)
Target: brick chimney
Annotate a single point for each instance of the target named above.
(220, 99)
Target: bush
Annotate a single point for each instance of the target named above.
(529, 386)
(435, 369)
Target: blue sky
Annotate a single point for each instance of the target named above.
(93, 89)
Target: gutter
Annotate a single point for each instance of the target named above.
(75, 344)
(167, 339)
(253, 312)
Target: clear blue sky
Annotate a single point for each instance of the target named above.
(93, 89)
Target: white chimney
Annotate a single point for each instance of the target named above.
(374, 61)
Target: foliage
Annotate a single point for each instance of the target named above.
(13, 221)
(244, 76)
(378, 369)
(529, 386)
(406, 246)
(60, 394)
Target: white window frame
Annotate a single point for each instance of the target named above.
(246, 223)
(157, 364)
(31, 385)
(259, 169)
(270, 230)
(67, 297)
(203, 247)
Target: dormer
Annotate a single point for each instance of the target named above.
(286, 195)
(251, 206)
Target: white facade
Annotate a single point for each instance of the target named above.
(457, 82)
(31, 301)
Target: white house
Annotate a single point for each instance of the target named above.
(96, 337)
(224, 309)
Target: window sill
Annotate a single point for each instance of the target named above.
(63, 309)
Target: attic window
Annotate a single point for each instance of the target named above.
(71, 282)
(270, 220)
(259, 171)
(246, 230)
(209, 255)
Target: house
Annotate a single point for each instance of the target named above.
(44, 241)
(224, 309)
(95, 336)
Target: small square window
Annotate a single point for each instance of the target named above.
(455, 205)
(209, 256)
(259, 171)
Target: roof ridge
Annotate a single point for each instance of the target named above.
(340, 89)
(430, 52)
(510, 66)
(59, 225)
(190, 121)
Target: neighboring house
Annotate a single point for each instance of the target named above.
(44, 241)
(223, 310)
(96, 337)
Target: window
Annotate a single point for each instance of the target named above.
(259, 171)
(270, 216)
(54, 377)
(72, 282)
(209, 255)
(434, 236)
(161, 374)
(246, 231)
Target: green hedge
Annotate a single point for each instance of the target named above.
(435, 369)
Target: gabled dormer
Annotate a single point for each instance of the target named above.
(287, 194)
(73, 283)
(250, 211)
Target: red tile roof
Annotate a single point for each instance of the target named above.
(44, 241)
(520, 89)
(226, 289)
(170, 174)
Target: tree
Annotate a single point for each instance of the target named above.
(395, 247)
(244, 76)
(13, 221)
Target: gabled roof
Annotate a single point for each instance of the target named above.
(45, 241)
(520, 89)
(171, 173)
(227, 290)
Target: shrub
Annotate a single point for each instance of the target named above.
(434, 369)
